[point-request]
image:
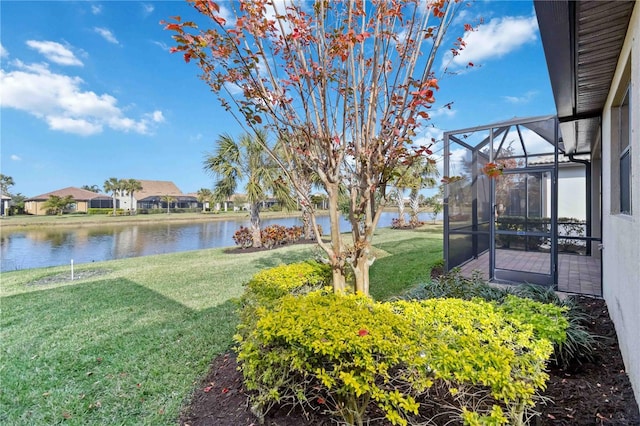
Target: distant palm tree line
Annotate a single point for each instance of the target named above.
(116, 187)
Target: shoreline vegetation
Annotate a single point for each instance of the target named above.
(26, 221)
(12, 223)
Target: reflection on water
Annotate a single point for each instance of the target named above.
(57, 246)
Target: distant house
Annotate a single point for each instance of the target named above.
(151, 197)
(236, 202)
(83, 201)
(4, 205)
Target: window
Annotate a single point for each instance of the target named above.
(624, 152)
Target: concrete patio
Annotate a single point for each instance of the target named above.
(576, 274)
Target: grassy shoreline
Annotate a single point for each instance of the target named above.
(24, 221)
(129, 344)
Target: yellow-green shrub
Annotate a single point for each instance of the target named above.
(336, 348)
(346, 350)
(267, 287)
(274, 283)
(473, 343)
(548, 320)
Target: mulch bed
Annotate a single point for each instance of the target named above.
(594, 393)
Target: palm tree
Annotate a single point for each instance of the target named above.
(92, 188)
(247, 160)
(204, 195)
(414, 176)
(168, 199)
(115, 187)
(424, 173)
(131, 186)
(5, 183)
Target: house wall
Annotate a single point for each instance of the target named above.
(124, 202)
(35, 208)
(572, 192)
(621, 232)
(82, 206)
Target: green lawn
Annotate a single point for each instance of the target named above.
(129, 344)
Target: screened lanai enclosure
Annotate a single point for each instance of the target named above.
(518, 210)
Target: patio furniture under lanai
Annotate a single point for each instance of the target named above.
(519, 210)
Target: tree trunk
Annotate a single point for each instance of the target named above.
(414, 204)
(307, 226)
(336, 253)
(400, 201)
(114, 204)
(361, 270)
(254, 214)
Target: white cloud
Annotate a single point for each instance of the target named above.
(106, 34)
(495, 39)
(14, 157)
(96, 9)
(227, 15)
(60, 101)
(526, 98)
(55, 52)
(157, 116)
(77, 126)
(147, 8)
(3, 52)
(442, 112)
(162, 45)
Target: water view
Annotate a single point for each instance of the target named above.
(53, 246)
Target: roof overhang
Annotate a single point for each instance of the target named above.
(582, 41)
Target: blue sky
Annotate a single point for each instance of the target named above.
(88, 90)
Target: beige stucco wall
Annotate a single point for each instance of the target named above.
(621, 233)
(36, 207)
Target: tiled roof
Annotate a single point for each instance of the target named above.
(151, 188)
(78, 194)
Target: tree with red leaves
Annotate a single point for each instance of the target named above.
(347, 84)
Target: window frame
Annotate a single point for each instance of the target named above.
(624, 153)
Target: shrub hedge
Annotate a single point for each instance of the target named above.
(578, 345)
(341, 352)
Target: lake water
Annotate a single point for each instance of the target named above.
(58, 245)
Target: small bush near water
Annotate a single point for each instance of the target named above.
(339, 353)
(272, 236)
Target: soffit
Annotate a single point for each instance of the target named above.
(582, 41)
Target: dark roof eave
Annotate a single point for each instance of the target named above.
(581, 62)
